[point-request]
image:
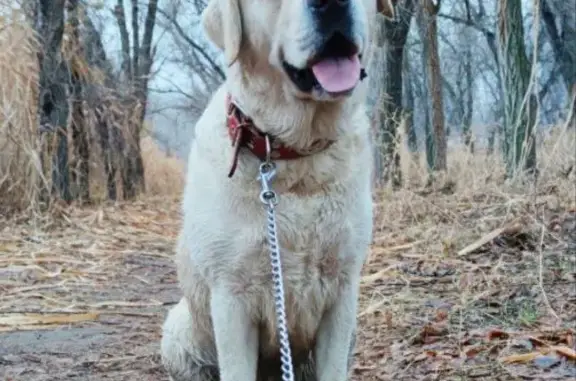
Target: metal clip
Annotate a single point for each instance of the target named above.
(267, 172)
(266, 175)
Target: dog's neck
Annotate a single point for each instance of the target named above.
(297, 123)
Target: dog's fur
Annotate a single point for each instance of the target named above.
(224, 328)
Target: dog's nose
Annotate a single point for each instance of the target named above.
(332, 15)
(323, 5)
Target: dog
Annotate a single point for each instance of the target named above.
(293, 95)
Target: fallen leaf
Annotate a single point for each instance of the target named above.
(35, 319)
(565, 351)
(537, 342)
(441, 315)
(473, 350)
(8, 248)
(497, 334)
(522, 358)
(425, 355)
(570, 340)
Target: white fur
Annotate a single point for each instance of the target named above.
(226, 319)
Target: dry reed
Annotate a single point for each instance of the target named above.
(19, 161)
(23, 176)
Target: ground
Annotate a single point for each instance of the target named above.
(474, 287)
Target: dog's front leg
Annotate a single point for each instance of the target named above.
(236, 337)
(335, 335)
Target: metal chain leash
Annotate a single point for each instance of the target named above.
(268, 197)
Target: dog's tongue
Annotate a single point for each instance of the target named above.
(338, 74)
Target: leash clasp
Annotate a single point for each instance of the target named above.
(266, 174)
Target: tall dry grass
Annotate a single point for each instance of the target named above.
(24, 176)
(474, 172)
(20, 170)
(164, 174)
(476, 185)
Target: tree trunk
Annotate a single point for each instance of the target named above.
(492, 139)
(410, 130)
(425, 98)
(374, 97)
(572, 108)
(469, 90)
(435, 82)
(396, 34)
(469, 109)
(104, 128)
(103, 97)
(137, 68)
(81, 173)
(520, 111)
(53, 98)
(132, 167)
(563, 42)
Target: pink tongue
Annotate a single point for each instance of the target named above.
(338, 74)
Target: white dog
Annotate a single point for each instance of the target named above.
(294, 76)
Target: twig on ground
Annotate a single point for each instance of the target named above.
(510, 229)
(541, 275)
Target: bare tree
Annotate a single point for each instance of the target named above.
(520, 106)
(53, 97)
(421, 91)
(408, 94)
(468, 91)
(136, 68)
(191, 53)
(477, 18)
(102, 96)
(80, 174)
(429, 10)
(395, 34)
(559, 18)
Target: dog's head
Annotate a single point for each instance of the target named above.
(317, 46)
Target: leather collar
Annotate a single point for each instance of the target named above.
(244, 134)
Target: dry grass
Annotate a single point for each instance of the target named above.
(164, 174)
(23, 175)
(19, 163)
(468, 279)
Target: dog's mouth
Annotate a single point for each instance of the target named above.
(336, 69)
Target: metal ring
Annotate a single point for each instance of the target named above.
(268, 148)
(269, 198)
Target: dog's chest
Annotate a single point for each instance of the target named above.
(313, 234)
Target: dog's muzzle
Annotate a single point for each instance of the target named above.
(335, 66)
(332, 16)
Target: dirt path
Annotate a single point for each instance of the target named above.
(110, 270)
(120, 341)
(83, 298)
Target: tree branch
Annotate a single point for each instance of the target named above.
(145, 51)
(488, 34)
(202, 51)
(135, 39)
(120, 15)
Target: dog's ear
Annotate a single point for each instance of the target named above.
(222, 22)
(386, 7)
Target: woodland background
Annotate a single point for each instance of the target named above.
(94, 78)
(472, 271)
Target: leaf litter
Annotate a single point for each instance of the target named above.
(457, 286)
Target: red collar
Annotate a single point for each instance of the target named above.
(244, 133)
